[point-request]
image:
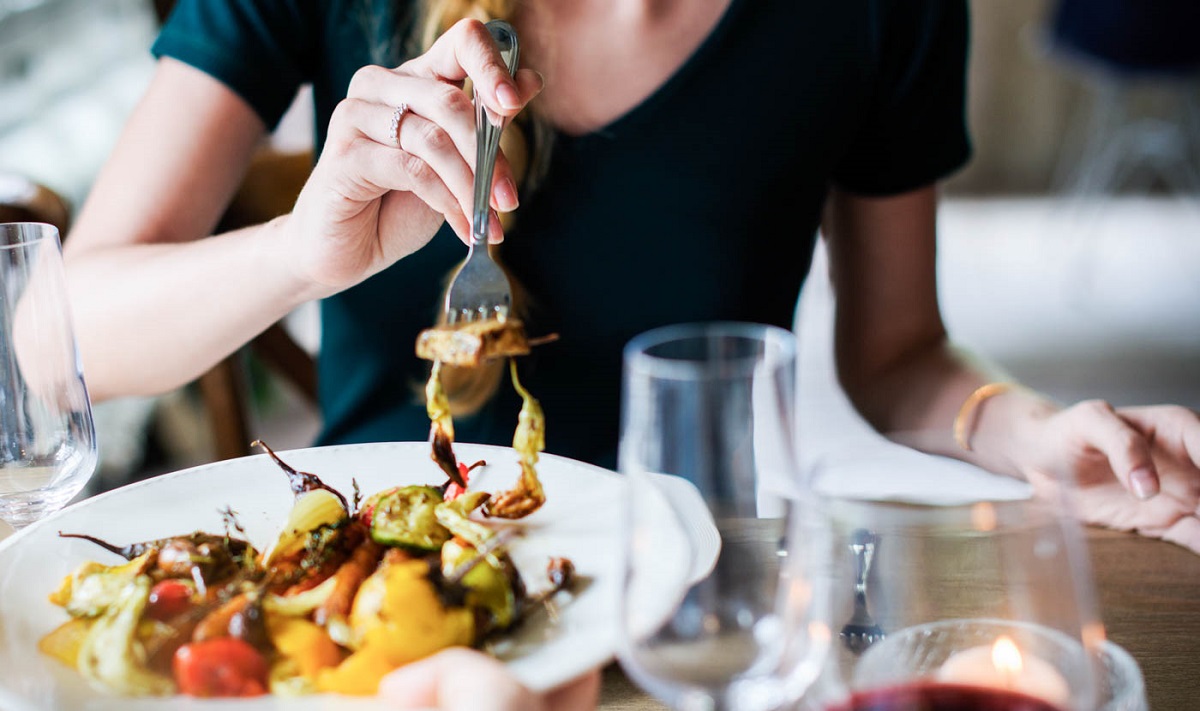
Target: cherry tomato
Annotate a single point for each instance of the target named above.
(225, 666)
(168, 598)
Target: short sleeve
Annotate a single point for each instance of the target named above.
(914, 131)
(260, 49)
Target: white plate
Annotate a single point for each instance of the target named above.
(581, 520)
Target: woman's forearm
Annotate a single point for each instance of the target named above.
(920, 402)
(151, 317)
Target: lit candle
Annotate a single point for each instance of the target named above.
(1003, 666)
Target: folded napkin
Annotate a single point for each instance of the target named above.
(842, 455)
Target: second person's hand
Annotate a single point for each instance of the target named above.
(1134, 469)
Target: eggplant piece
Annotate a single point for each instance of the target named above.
(301, 482)
(213, 556)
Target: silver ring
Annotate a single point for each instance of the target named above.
(394, 128)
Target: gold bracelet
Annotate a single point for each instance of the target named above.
(964, 421)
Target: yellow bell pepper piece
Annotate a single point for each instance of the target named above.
(358, 675)
(400, 619)
(64, 641)
(305, 643)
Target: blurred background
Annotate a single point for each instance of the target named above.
(1069, 247)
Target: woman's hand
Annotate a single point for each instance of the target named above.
(375, 197)
(1135, 468)
(461, 679)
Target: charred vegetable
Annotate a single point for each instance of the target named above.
(407, 517)
(528, 441)
(441, 429)
(210, 556)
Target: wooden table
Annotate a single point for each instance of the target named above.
(1149, 595)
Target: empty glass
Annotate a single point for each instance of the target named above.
(709, 602)
(47, 436)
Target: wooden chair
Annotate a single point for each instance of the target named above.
(24, 200)
(269, 189)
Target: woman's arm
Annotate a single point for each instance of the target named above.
(154, 304)
(903, 374)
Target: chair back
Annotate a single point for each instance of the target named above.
(24, 200)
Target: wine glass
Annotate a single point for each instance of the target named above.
(986, 605)
(47, 435)
(708, 600)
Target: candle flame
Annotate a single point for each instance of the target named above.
(1007, 657)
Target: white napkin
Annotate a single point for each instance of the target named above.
(842, 454)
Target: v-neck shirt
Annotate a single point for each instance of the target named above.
(700, 203)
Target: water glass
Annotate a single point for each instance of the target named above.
(47, 435)
(709, 603)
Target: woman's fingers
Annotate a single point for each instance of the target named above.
(435, 117)
(444, 104)
(1127, 451)
(467, 50)
(1173, 428)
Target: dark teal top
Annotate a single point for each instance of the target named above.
(701, 203)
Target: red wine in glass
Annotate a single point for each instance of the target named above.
(942, 697)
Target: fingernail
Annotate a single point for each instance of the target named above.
(507, 95)
(495, 229)
(1144, 483)
(506, 195)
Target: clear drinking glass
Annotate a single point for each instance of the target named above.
(709, 602)
(47, 436)
(988, 605)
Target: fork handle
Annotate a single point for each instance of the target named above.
(488, 128)
(862, 545)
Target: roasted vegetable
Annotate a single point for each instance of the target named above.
(441, 427)
(407, 517)
(399, 616)
(203, 556)
(303, 648)
(312, 511)
(221, 667)
(301, 482)
(528, 441)
(111, 653)
(93, 588)
(492, 588)
(470, 343)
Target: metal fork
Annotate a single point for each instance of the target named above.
(862, 631)
(480, 290)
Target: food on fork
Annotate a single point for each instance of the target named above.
(348, 591)
(470, 343)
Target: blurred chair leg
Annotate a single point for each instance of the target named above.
(223, 388)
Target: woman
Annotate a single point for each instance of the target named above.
(695, 146)
(677, 159)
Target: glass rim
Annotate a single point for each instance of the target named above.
(14, 235)
(780, 342)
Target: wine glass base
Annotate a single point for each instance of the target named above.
(20, 510)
